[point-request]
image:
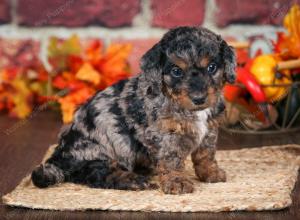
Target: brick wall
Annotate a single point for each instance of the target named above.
(141, 22)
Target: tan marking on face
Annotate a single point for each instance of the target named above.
(218, 76)
(185, 101)
(203, 62)
(212, 96)
(179, 62)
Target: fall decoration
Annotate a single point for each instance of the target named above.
(266, 93)
(83, 71)
(21, 89)
(78, 71)
(267, 82)
(288, 45)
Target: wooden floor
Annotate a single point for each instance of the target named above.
(23, 144)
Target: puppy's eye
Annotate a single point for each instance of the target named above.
(212, 68)
(176, 72)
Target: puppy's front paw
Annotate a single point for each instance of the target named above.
(176, 185)
(217, 175)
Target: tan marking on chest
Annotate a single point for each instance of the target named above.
(177, 126)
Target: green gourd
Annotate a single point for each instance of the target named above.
(294, 106)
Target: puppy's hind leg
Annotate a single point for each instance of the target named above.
(109, 175)
(46, 175)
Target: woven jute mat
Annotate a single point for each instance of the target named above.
(258, 179)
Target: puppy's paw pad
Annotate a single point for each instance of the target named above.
(177, 185)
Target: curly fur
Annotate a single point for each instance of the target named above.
(150, 123)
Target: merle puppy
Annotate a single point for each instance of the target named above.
(150, 123)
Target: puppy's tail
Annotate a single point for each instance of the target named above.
(46, 175)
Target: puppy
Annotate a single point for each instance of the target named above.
(148, 125)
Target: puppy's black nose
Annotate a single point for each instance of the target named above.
(198, 101)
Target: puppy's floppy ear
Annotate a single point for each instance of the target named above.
(152, 59)
(229, 61)
(152, 66)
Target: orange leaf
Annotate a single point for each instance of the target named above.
(288, 45)
(89, 74)
(67, 80)
(115, 59)
(20, 99)
(94, 52)
(70, 102)
(110, 80)
(59, 82)
(74, 63)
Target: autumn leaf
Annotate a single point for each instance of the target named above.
(37, 87)
(58, 51)
(70, 46)
(43, 75)
(116, 59)
(19, 88)
(67, 80)
(74, 63)
(288, 44)
(60, 81)
(82, 74)
(110, 80)
(20, 99)
(94, 52)
(9, 74)
(70, 102)
(89, 74)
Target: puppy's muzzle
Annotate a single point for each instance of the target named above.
(199, 100)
